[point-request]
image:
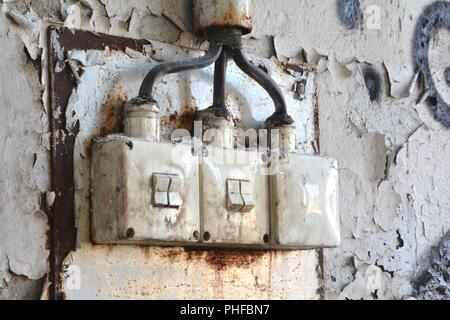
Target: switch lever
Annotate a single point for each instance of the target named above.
(167, 191)
(234, 199)
(247, 196)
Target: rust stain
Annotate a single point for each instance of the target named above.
(316, 120)
(218, 259)
(171, 253)
(235, 17)
(61, 217)
(173, 117)
(181, 121)
(187, 118)
(146, 252)
(223, 260)
(111, 112)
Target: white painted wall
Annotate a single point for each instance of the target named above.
(393, 212)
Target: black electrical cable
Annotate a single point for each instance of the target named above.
(280, 117)
(220, 76)
(219, 55)
(163, 69)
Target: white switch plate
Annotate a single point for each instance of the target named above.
(225, 226)
(305, 202)
(122, 198)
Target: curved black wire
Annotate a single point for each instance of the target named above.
(163, 69)
(218, 55)
(220, 75)
(280, 117)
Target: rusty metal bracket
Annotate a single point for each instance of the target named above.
(63, 231)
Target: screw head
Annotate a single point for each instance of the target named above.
(266, 238)
(265, 158)
(300, 87)
(206, 236)
(60, 66)
(131, 233)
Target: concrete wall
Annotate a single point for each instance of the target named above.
(393, 152)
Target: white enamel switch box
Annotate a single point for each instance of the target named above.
(165, 194)
(207, 192)
(144, 192)
(305, 202)
(234, 197)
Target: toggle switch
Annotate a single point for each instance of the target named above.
(247, 196)
(161, 185)
(239, 196)
(166, 191)
(235, 202)
(175, 200)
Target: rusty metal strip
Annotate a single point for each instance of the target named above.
(62, 83)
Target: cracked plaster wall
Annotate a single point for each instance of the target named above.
(394, 156)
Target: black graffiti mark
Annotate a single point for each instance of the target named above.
(373, 83)
(349, 13)
(447, 76)
(434, 17)
(433, 283)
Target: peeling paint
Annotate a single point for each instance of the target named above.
(24, 170)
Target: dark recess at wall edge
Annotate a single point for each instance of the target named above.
(373, 83)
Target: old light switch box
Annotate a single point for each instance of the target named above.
(147, 190)
(142, 198)
(229, 179)
(224, 194)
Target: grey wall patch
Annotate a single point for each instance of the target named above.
(349, 13)
(434, 17)
(373, 83)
